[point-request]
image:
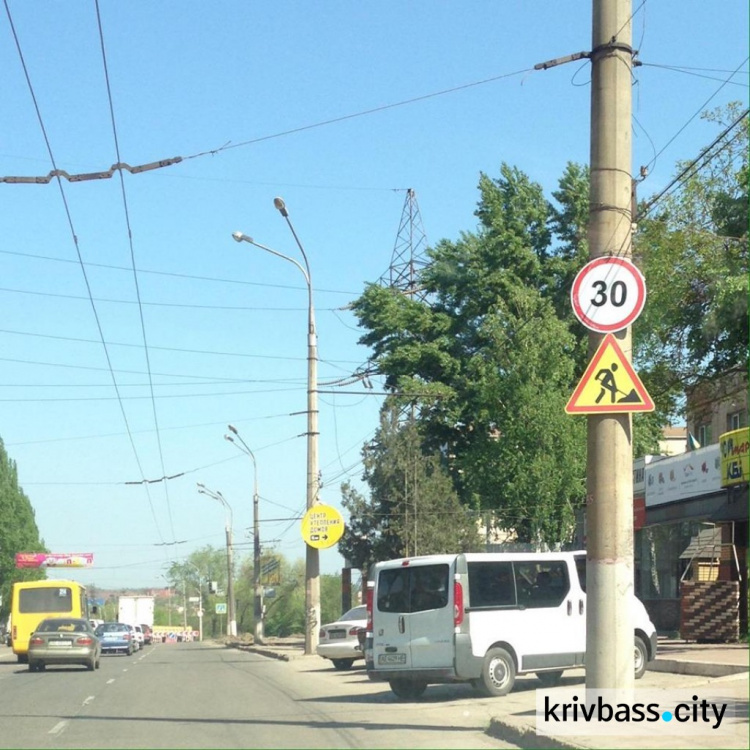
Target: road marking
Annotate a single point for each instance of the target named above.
(110, 680)
(88, 700)
(58, 728)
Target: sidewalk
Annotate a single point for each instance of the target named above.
(709, 669)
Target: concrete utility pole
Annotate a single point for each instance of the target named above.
(609, 568)
(312, 557)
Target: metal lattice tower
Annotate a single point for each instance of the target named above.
(409, 252)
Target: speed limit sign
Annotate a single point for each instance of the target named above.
(608, 294)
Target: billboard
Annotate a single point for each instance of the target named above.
(683, 477)
(735, 457)
(54, 560)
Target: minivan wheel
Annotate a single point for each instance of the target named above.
(550, 679)
(408, 689)
(641, 657)
(342, 663)
(498, 672)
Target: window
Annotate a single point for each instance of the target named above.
(392, 590)
(704, 434)
(542, 584)
(581, 569)
(416, 589)
(491, 585)
(428, 587)
(735, 420)
(45, 600)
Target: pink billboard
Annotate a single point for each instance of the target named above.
(54, 560)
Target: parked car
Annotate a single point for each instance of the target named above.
(64, 640)
(140, 639)
(484, 618)
(148, 635)
(339, 640)
(115, 638)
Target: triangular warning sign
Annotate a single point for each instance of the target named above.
(609, 384)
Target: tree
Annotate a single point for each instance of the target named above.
(18, 532)
(413, 506)
(486, 361)
(692, 244)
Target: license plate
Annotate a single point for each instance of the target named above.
(391, 658)
(337, 634)
(61, 644)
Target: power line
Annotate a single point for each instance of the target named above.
(120, 166)
(74, 237)
(128, 226)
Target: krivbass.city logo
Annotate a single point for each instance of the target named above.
(642, 712)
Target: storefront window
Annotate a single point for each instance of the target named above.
(659, 567)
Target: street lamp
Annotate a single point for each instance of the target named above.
(312, 559)
(231, 621)
(258, 589)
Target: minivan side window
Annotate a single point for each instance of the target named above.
(491, 585)
(415, 589)
(542, 584)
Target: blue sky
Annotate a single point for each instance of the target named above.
(241, 91)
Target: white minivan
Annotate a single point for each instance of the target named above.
(483, 618)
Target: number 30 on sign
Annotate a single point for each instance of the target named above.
(608, 294)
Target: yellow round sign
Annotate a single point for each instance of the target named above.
(322, 526)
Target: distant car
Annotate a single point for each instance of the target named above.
(339, 640)
(115, 638)
(148, 635)
(139, 637)
(64, 640)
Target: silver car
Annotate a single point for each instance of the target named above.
(64, 640)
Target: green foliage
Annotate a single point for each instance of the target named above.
(18, 532)
(413, 507)
(692, 245)
(487, 363)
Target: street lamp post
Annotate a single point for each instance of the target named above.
(231, 621)
(312, 559)
(258, 589)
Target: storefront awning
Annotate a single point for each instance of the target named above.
(705, 544)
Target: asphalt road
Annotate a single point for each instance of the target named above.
(192, 695)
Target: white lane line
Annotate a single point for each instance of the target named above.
(58, 728)
(110, 680)
(88, 700)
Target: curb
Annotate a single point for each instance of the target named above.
(526, 737)
(261, 651)
(699, 668)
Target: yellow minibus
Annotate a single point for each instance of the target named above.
(33, 601)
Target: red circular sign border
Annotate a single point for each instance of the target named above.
(640, 283)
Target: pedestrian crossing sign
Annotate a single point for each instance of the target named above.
(609, 385)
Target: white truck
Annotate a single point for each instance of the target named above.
(136, 610)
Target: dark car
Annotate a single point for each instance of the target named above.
(116, 637)
(64, 640)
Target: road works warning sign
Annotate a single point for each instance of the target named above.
(322, 526)
(609, 385)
